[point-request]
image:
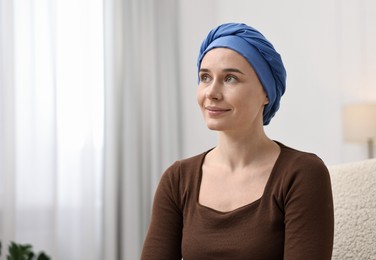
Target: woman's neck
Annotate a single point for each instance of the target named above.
(243, 151)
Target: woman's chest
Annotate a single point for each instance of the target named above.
(246, 233)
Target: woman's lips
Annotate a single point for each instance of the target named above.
(215, 111)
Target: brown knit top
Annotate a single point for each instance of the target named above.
(292, 220)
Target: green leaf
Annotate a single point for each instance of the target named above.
(13, 250)
(20, 252)
(43, 256)
(30, 256)
(23, 252)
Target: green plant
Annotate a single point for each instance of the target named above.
(23, 252)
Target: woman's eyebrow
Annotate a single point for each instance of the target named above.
(233, 70)
(204, 70)
(225, 70)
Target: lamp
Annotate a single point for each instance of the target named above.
(359, 124)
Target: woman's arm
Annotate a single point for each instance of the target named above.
(163, 240)
(309, 216)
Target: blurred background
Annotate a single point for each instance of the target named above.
(98, 98)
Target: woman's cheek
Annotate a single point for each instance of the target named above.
(200, 97)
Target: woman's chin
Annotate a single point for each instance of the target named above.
(214, 127)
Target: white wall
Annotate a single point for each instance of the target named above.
(328, 50)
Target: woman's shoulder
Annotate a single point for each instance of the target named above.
(295, 164)
(181, 178)
(295, 157)
(300, 171)
(186, 168)
(194, 161)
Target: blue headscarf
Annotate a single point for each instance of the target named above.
(259, 52)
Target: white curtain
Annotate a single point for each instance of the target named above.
(142, 134)
(89, 119)
(51, 126)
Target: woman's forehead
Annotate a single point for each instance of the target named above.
(224, 57)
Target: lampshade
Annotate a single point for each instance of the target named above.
(359, 122)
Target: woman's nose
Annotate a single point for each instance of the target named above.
(214, 91)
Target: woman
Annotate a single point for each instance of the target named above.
(249, 197)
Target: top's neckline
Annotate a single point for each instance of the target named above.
(243, 207)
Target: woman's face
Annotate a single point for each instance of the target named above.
(230, 94)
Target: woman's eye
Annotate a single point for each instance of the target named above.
(230, 78)
(204, 78)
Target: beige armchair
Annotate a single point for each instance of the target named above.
(354, 195)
